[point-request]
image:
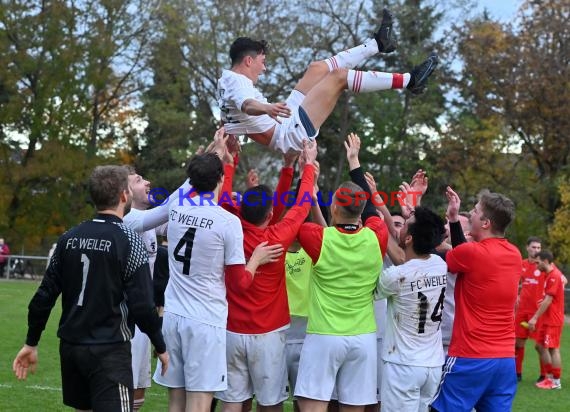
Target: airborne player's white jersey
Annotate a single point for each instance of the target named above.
(202, 239)
(415, 292)
(233, 90)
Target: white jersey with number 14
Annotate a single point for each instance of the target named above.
(415, 292)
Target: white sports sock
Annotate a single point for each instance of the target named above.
(359, 81)
(137, 404)
(350, 58)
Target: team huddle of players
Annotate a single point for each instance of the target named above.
(361, 308)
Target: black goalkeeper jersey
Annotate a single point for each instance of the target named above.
(101, 270)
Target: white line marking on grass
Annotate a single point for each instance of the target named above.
(38, 387)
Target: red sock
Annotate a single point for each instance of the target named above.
(542, 368)
(519, 357)
(556, 372)
(548, 369)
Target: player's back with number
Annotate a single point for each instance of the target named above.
(415, 293)
(96, 250)
(202, 238)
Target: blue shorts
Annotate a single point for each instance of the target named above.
(488, 385)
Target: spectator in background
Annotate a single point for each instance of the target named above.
(4, 253)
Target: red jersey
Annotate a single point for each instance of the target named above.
(263, 307)
(553, 286)
(532, 287)
(488, 274)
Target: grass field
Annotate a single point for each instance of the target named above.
(41, 392)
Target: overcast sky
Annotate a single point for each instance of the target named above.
(504, 10)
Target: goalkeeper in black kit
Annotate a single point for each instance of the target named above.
(100, 268)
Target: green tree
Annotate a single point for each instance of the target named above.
(508, 130)
(559, 231)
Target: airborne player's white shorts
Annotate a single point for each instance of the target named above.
(140, 350)
(197, 355)
(348, 361)
(409, 388)
(290, 133)
(256, 365)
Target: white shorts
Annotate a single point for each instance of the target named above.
(293, 353)
(290, 133)
(379, 369)
(197, 355)
(256, 365)
(140, 350)
(409, 388)
(347, 361)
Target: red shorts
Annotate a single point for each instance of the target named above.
(520, 331)
(549, 336)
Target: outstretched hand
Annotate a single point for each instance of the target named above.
(409, 200)
(419, 182)
(218, 146)
(310, 151)
(26, 361)
(352, 146)
(252, 179)
(289, 158)
(453, 204)
(371, 182)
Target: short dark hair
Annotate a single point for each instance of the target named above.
(352, 203)
(130, 169)
(533, 239)
(204, 172)
(427, 230)
(256, 204)
(106, 184)
(546, 255)
(498, 208)
(244, 46)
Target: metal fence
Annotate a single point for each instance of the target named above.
(25, 267)
(33, 267)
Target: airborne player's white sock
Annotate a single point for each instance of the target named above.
(350, 58)
(359, 81)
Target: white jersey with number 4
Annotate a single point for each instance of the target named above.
(415, 292)
(202, 239)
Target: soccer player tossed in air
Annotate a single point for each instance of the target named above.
(282, 126)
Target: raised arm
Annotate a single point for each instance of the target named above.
(288, 228)
(284, 185)
(316, 212)
(455, 230)
(352, 146)
(254, 107)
